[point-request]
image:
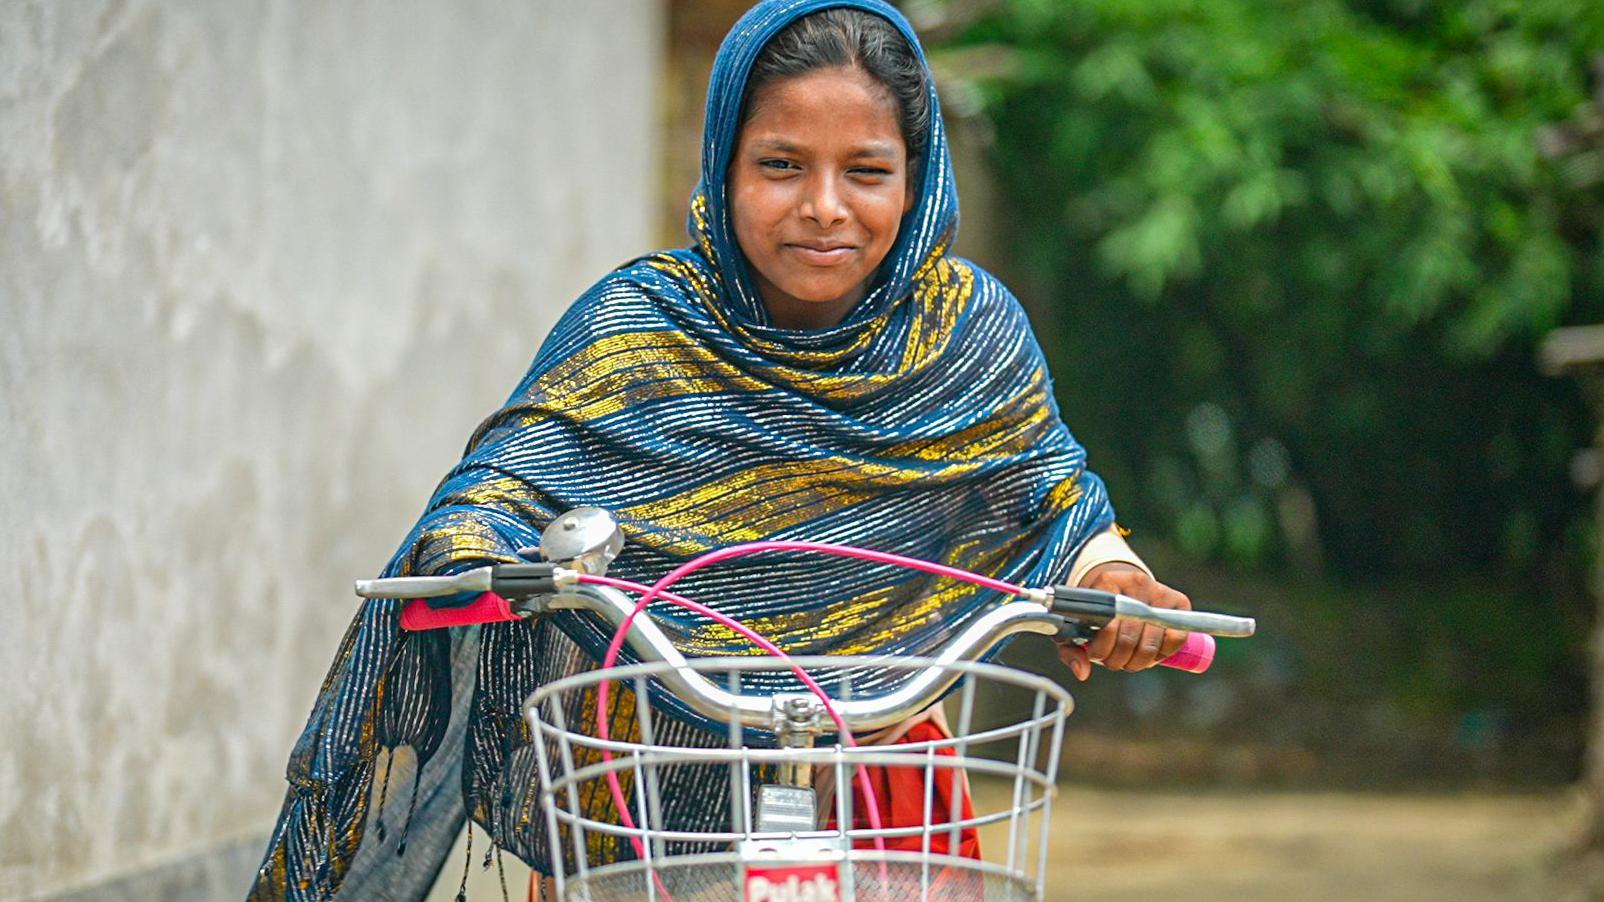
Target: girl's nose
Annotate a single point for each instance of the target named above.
(822, 202)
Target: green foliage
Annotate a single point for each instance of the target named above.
(1307, 247)
(1291, 261)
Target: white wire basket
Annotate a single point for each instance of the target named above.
(694, 796)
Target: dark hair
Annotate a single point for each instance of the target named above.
(849, 37)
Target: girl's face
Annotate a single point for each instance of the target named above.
(817, 189)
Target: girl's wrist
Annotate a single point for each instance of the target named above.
(1090, 577)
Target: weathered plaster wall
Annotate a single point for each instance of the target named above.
(263, 266)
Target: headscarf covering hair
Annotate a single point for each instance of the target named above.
(922, 424)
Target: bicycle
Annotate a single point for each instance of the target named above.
(791, 837)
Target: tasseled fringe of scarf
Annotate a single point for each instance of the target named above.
(492, 853)
(337, 850)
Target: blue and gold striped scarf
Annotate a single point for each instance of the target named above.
(923, 424)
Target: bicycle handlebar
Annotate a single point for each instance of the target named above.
(514, 591)
(699, 693)
(1092, 607)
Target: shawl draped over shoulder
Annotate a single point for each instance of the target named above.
(922, 424)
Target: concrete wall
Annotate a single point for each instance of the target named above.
(263, 266)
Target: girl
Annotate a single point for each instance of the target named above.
(815, 365)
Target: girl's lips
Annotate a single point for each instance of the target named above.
(820, 258)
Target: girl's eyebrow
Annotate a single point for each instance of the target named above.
(876, 150)
(780, 145)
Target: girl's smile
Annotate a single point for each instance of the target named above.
(817, 187)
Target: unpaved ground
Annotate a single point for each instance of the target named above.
(1110, 845)
(1119, 844)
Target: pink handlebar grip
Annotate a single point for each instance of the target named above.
(487, 608)
(1194, 656)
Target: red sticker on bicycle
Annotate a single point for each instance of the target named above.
(793, 882)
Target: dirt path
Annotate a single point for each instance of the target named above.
(1111, 845)
(1119, 844)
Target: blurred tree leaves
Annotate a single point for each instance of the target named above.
(1290, 262)
(1297, 256)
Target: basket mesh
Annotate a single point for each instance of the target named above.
(1006, 726)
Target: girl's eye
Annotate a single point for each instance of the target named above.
(872, 170)
(780, 165)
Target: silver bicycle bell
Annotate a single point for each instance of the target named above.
(584, 539)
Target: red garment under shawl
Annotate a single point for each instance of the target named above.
(900, 794)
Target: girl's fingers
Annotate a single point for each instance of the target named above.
(1173, 639)
(1147, 648)
(1126, 645)
(1102, 644)
(1127, 635)
(1077, 659)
